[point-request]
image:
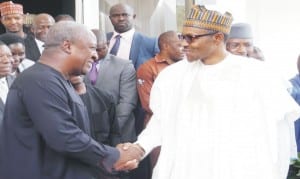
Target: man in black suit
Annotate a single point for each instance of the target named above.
(5, 69)
(40, 27)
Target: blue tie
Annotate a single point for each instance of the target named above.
(115, 48)
(93, 73)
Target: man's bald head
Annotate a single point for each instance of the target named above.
(41, 24)
(166, 38)
(122, 16)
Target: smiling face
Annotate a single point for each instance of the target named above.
(13, 22)
(6, 61)
(41, 25)
(18, 54)
(83, 51)
(198, 48)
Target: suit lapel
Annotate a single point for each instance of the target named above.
(134, 50)
(1, 105)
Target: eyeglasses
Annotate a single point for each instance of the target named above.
(191, 38)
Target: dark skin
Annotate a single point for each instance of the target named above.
(41, 25)
(71, 58)
(121, 17)
(13, 23)
(171, 47)
(5, 61)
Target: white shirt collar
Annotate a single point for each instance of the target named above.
(39, 44)
(125, 35)
(3, 89)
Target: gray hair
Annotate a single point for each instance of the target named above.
(66, 30)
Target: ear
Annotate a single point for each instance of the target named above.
(31, 29)
(66, 46)
(134, 16)
(219, 38)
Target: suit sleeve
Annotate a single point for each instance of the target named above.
(128, 95)
(49, 108)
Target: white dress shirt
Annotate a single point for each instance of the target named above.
(3, 89)
(125, 43)
(40, 45)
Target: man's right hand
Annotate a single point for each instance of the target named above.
(130, 156)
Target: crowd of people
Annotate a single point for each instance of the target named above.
(79, 103)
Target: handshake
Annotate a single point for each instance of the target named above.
(130, 156)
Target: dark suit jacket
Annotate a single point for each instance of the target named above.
(142, 48)
(101, 109)
(117, 77)
(1, 110)
(32, 51)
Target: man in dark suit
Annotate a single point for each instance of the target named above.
(45, 131)
(117, 77)
(134, 46)
(5, 69)
(34, 43)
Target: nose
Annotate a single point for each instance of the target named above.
(184, 43)
(95, 55)
(13, 21)
(242, 50)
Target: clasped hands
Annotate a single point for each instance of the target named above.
(130, 156)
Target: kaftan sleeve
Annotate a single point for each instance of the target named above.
(280, 111)
(151, 135)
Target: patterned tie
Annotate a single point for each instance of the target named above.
(93, 73)
(115, 48)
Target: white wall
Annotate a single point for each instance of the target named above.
(275, 27)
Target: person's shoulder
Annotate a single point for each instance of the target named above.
(118, 60)
(175, 69)
(147, 65)
(29, 38)
(99, 94)
(144, 37)
(245, 61)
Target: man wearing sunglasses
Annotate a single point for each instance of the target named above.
(214, 115)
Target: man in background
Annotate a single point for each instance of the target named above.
(240, 42)
(125, 41)
(6, 61)
(12, 18)
(35, 43)
(117, 77)
(171, 51)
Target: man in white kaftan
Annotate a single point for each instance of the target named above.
(217, 115)
(219, 121)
